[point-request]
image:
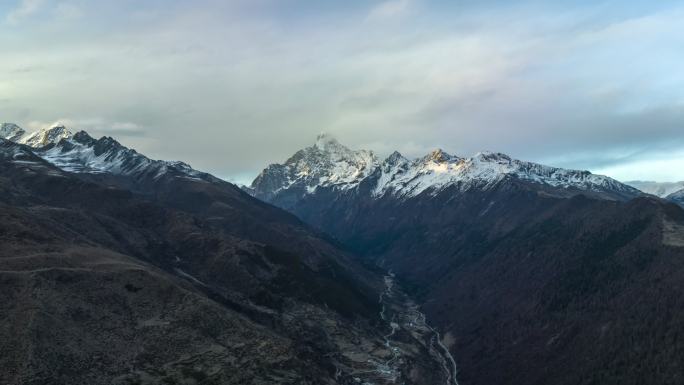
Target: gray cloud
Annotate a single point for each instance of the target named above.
(232, 86)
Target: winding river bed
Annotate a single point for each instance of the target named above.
(403, 315)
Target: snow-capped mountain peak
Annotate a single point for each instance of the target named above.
(85, 154)
(326, 163)
(81, 153)
(439, 156)
(395, 158)
(40, 138)
(326, 142)
(330, 164)
(11, 131)
(491, 156)
(46, 136)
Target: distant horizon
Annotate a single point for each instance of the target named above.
(248, 178)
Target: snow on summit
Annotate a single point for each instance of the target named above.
(329, 164)
(11, 131)
(326, 163)
(40, 138)
(81, 153)
(46, 136)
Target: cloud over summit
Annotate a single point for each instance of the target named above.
(232, 86)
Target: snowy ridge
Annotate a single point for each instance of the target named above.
(329, 164)
(326, 163)
(80, 153)
(439, 170)
(40, 138)
(11, 132)
(46, 136)
(17, 154)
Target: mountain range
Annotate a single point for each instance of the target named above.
(120, 269)
(329, 165)
(533, 274)
(335, 267)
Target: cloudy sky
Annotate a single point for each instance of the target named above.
(230, 86)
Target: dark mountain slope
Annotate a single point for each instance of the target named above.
(92, 316)
(532, 289)
(677, 197)
(586, 292)
(105, 285)
(529, 283)
(176, 185)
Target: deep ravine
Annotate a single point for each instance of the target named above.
(403, 316)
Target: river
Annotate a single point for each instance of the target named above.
(401, 313)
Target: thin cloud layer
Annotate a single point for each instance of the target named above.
(232, 86)
(24, 9)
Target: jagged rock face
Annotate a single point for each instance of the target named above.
(84, 154)
(536, 275)
(118, 269)
(41, 138)
(329, 165)
(46, 137)
(11, 131)
(80, 153)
